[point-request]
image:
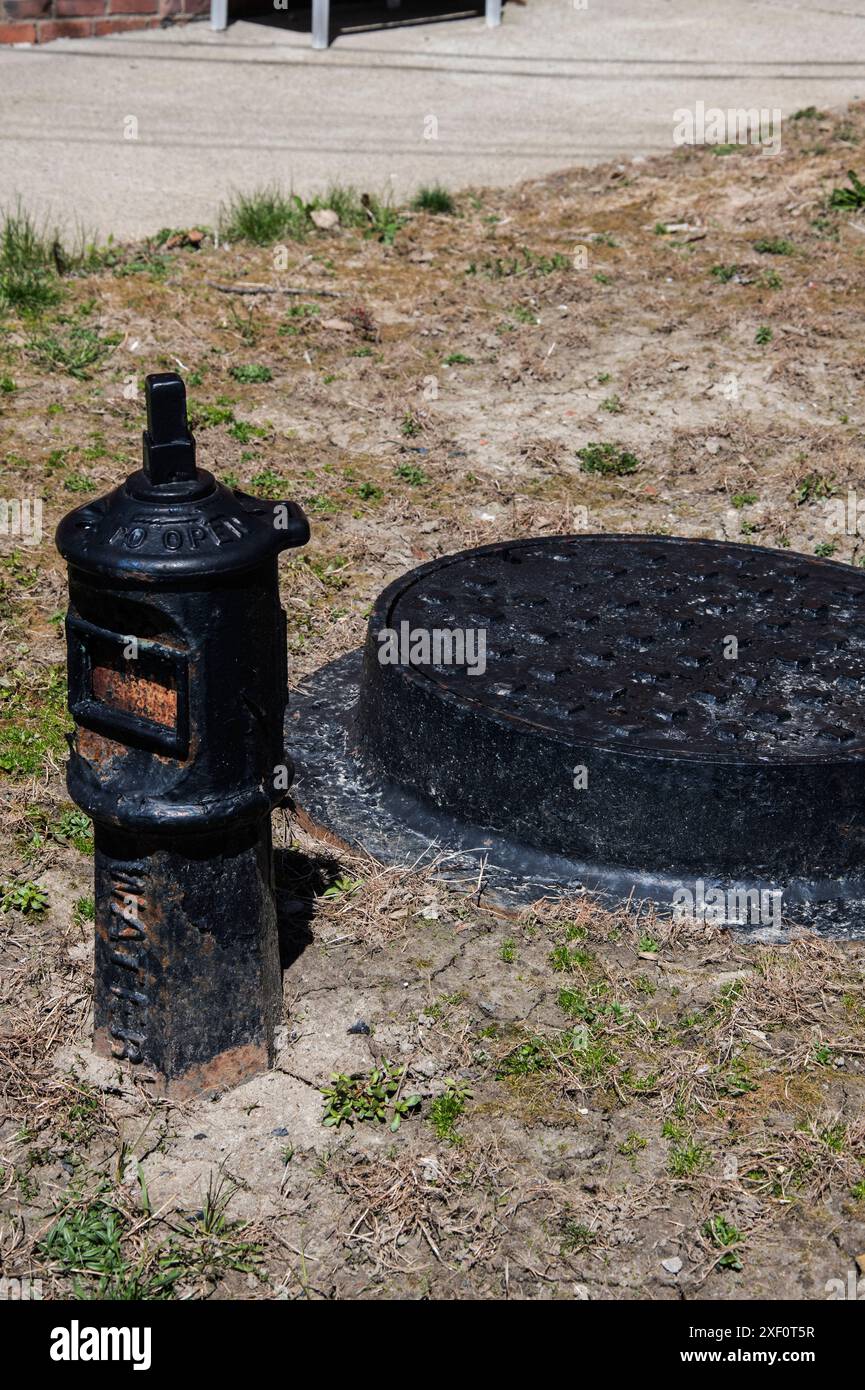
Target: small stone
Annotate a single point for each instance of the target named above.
(672, 1265)
(202, 1135)
(360, 1027)
(325, 219)
(338, 325)
(280, 1133)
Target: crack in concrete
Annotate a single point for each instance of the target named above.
(295, 1076)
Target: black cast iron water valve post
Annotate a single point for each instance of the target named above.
(177, 686)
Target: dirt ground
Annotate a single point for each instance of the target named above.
(706, 1139)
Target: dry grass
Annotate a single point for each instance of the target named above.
(450, 1203)
(712, 1080)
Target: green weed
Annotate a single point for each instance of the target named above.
(687, 1158)
(569, 958)
(528, 1058)
(814, 487)
(411, 474)
(634, 1144)
(251, 373)
(774, 246)
(23, 897)
(264, 216)
(377, 1096)
(723, 1234)
(33, 721)
(851, 198)
(75, 349)
(610, 460)
(434, 199)
(447, 1109)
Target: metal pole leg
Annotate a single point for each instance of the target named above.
(187, 979)
(320, 23)
(219, 14)
(494, 13)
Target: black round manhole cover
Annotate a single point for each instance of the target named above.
(639, 716)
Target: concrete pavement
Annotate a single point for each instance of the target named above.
(132, 132)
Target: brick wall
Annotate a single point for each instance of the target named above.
(38, 21)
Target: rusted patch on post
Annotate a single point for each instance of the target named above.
(97, 748)
(228, 1069)
(134, 693)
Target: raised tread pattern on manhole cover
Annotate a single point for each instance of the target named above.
(626, 640)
